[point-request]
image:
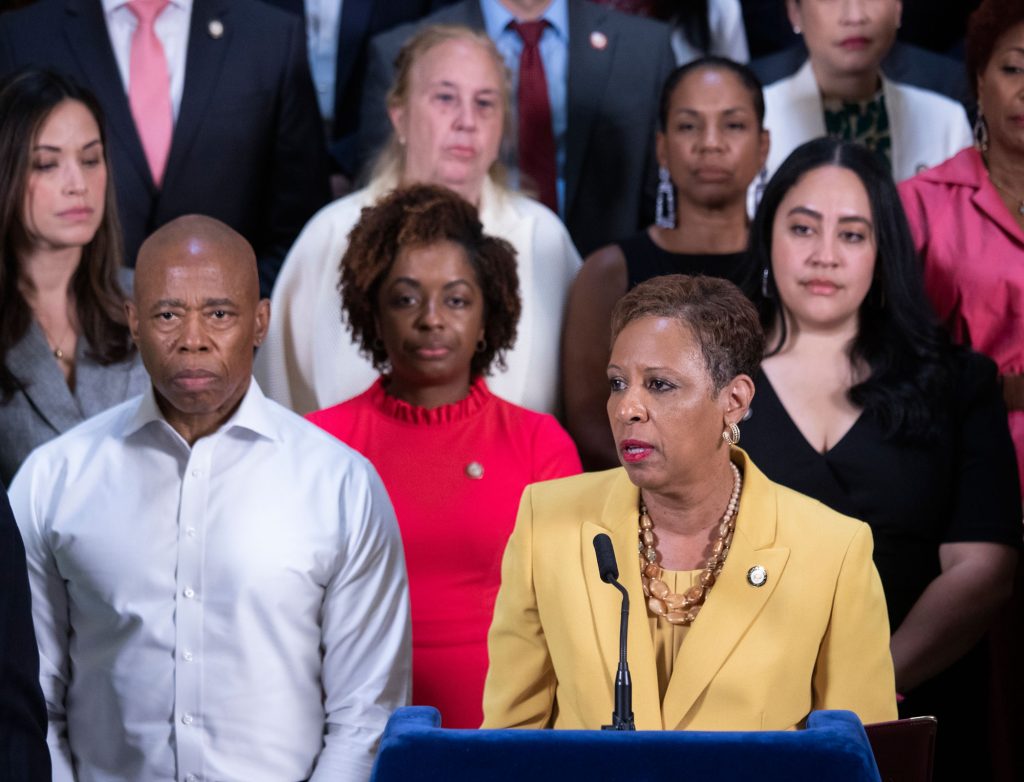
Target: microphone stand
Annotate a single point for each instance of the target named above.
(622, 716)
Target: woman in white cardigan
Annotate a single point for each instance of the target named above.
(841, 92)
(448, 107)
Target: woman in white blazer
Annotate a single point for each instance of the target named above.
(448, 107)
(841, 91)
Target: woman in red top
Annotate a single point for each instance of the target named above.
(434, 303)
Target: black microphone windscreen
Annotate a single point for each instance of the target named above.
(605, 558)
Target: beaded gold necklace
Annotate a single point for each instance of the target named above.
(682, 609)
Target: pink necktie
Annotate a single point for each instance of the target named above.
(149, 86)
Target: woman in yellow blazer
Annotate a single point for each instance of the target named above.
(752, 605)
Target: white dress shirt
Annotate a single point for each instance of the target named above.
(171, 28)
(237, 610)
(322, 20)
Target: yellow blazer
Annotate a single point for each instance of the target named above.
(814, 636)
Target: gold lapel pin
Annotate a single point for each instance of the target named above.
(215, 28)
(757, 576)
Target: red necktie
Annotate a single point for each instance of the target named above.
(149, 87)
(536, 137)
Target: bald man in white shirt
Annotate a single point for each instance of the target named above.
(218, 587)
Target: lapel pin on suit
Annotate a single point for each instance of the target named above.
(757, 576)
(215, 28)
(598, 40)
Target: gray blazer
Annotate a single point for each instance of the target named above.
(617, 64)
(44, 407)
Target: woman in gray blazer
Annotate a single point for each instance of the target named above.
(65, 350)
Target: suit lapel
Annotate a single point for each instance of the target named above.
(203, 62)
(97, 387)
(619, 522)
(352, 27)
(86, 33)
(733, 604)
(589, 67)
(42, 382)
(804, 117)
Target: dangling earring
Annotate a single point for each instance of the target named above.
(766, 283)
(981, 133)
(762, 183)
(665, 205)
(731, 435)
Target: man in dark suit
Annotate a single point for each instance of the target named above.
(247, 144)
(616, 64)
(23, 753)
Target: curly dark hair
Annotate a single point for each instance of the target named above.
(984, 29)
(721, 318)
(422, 215)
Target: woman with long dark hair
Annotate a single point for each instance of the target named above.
(864, 404)
(65, 350)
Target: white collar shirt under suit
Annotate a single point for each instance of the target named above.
(237, 610)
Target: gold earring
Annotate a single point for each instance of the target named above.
(731, 435)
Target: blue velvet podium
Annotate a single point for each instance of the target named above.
(833, 747)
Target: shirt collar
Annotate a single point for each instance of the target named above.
(252, 414)
(497, 17)
(109, 6)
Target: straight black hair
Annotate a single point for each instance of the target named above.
(909, 355)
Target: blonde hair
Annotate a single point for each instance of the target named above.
(390, 163)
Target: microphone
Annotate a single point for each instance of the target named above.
(622, 716)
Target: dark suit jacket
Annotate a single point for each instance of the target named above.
(248, 146)
(359, 22)
(904, 63)
(610, 164)
(23, 753)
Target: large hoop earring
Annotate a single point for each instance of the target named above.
(731, 435)
(665, 204)
(981, 133)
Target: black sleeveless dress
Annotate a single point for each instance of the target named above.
(644, 260)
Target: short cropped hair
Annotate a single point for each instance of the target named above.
(417, 216)
(721, 318)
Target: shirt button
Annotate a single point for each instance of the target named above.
(190, 531)
(186, 656)
(196, 473)
(187, 719)
(189, 593)
(191, 778)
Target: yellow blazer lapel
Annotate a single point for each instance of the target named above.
(733, 603)
(619, 522)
